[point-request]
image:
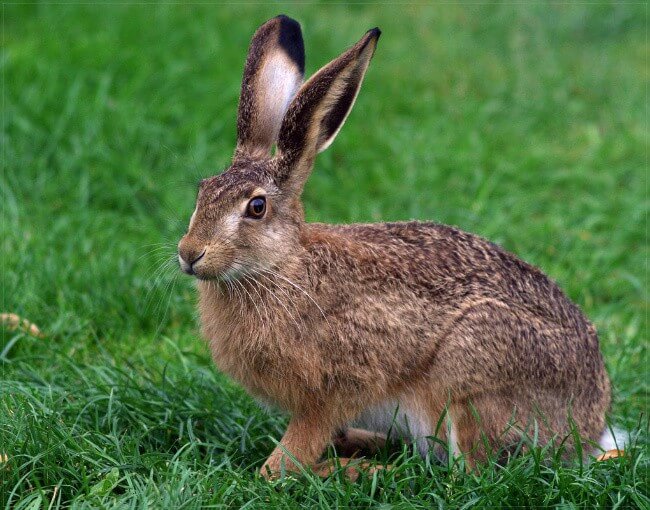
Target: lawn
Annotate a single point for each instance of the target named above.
(526, 124)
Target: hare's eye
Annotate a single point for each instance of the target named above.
(256, 208)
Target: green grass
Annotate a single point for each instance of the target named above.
(526, 124)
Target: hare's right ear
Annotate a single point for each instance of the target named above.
(273, 73)
(318, 112)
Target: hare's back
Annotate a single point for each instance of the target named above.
(444, 263)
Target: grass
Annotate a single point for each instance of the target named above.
(526, 124)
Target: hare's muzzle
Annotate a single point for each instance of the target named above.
(188, 255)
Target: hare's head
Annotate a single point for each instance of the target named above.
(250, 215)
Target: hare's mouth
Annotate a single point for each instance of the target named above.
(189, 266)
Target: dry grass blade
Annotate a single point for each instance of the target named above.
(611, 454)
(14, 322)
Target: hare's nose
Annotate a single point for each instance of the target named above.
(188, 255)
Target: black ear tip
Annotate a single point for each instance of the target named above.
(290, 39)
(370, 37)
(287, 23)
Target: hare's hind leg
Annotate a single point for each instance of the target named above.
(498, 424)
(482, 427)
(512, 376)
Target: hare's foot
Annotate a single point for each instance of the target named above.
(352, 468)
(354, 442)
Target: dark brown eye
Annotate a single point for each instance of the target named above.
(256, 208)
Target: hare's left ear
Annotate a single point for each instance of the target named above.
(273, 73)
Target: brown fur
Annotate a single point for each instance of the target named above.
(328, 321)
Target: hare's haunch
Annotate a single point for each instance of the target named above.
(394, 327)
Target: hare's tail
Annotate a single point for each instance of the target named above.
(612, 438)
(611, 444)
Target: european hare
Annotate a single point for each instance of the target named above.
(379, 326)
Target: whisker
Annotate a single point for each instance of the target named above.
(235, 292)
(298, 287)
(252, 301)
(168, 287)
(281, 303)
(251, 281)
(159, 275)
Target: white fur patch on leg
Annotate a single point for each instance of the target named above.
(397, 420)
(452, 437)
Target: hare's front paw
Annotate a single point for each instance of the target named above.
(271, 469)
(352, 468)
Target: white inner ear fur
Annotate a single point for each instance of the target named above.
(278, 81)
(338, 88)
(330, 101)
(192, 218)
